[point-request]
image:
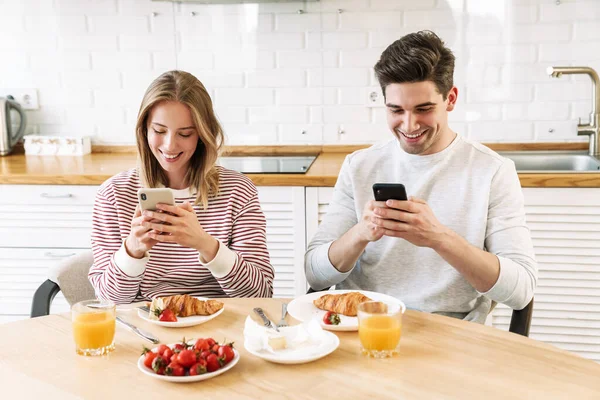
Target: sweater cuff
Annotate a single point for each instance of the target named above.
(506, 283)
(323, 269)
(223, 262)
(130, 266)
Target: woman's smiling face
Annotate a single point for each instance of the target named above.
(173, 138)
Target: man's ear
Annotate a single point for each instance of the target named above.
(452, 97)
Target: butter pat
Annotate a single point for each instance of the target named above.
(259, 338)
(277, 342)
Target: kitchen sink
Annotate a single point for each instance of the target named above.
(552, 161)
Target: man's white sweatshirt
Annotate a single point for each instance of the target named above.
(471, 190)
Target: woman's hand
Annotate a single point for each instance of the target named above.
(139, 240)
(181, 226)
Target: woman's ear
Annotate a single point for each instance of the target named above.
(452, 97)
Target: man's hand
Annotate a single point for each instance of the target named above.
(411, 220)
(344, 251)
(414, 221)
(368, 230)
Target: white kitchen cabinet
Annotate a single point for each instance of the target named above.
(22, 270)
(39, 216)
(317, 202)
(40, 224)
(284, 209)
(565, 228)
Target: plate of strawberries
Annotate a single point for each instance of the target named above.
(188, 361)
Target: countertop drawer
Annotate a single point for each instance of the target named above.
(46, 216)
(47, 195)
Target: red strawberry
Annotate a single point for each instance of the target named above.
(331, 318)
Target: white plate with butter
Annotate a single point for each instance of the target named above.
(297, 344)
(301, 354)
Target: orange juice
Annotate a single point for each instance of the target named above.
(380, 332)
(94, 330)
(93, 327)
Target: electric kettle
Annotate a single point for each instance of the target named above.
(12, 124)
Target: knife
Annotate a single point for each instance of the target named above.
(266, 321)
(146, 335)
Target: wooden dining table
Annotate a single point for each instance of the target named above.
(440, 358)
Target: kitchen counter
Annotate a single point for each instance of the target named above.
(104, 162)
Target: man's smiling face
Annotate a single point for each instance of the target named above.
(417, 115)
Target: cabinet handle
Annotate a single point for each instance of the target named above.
(56, 255)
(56, 196)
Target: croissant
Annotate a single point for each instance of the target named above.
(184, 305)
(345, 304)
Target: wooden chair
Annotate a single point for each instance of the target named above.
(520, 321)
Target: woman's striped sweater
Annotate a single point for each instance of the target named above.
(241, 267)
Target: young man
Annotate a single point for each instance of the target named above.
(460, 242)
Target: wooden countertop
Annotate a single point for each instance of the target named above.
(440, 357)
(95, 168)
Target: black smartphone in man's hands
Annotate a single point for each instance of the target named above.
(389, 191)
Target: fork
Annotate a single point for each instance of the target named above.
(282, 323)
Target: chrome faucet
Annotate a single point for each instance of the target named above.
(593, 128)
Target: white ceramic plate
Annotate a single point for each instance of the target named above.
(303, 309)
(191, 378)
(182, 322)
(301, 355)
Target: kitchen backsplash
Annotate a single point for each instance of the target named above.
(284, 73)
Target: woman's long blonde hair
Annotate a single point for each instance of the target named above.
(202, 174)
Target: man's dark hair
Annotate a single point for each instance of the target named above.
(417, 57)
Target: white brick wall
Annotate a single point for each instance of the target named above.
(278, 75)
(360, 58)
(245, 96)
(124, 25)
(377, 21)
(88, 43)
(251, 133)
(301, 96)
(277, 78)
(246, 59)
(279, 115)
(301, 133)
(345, 40)
(132, 60)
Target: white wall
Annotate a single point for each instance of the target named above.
(275, 73)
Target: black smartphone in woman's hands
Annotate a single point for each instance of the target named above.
(389, 191)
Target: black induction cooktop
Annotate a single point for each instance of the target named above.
(268, 164)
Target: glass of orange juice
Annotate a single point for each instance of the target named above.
(94, 327)
(380, 327)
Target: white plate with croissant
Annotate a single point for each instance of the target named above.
(189, 310)
(342, 302)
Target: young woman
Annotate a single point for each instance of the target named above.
(212, 243)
